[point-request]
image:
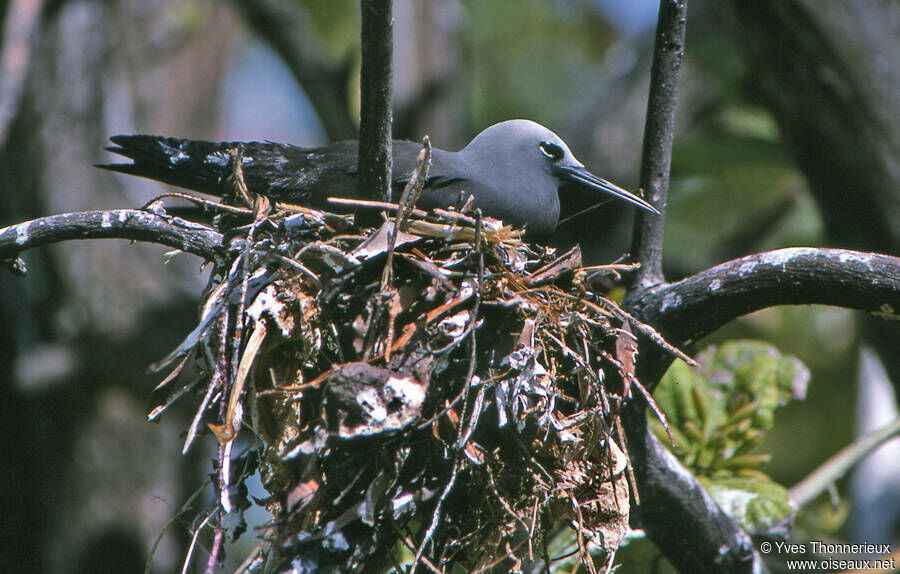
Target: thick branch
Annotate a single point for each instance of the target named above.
(132, 224)
(376, 79)
(283, 26)
(698, 305)
(659, 133)
(679, 515)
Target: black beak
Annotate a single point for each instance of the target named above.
(583, 176)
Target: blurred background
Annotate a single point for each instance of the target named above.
(788, 135)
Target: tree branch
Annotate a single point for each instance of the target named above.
(698, 305)
(131, 224)
(659, 132)
(376, 81)
(676, 512)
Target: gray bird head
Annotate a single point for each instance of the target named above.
(525, 154)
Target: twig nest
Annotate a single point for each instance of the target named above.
(439, 394)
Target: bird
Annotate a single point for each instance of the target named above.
(514, 170)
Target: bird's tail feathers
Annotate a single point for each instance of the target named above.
(191, 164)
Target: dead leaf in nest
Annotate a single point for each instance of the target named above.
(363, 400)
(269, 304)
(302, 494)
(454, 325)
(223, 433)
(327, 258)
(567, 263)
(626, 354)
(626, 348)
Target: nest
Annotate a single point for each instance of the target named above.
(427, 393)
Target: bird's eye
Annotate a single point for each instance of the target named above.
(551, 150)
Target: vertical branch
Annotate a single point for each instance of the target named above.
(376, 79)
(678, 515)
(658, 135)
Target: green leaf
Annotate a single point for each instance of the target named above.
(758, 505)
(720, 411)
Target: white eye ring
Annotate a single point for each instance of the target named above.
(551, 150)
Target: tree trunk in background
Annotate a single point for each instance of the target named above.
(830, 72)
(92, 483)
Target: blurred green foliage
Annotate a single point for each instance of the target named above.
(337, 24)
(532, 65)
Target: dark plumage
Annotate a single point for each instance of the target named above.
(513, 169)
